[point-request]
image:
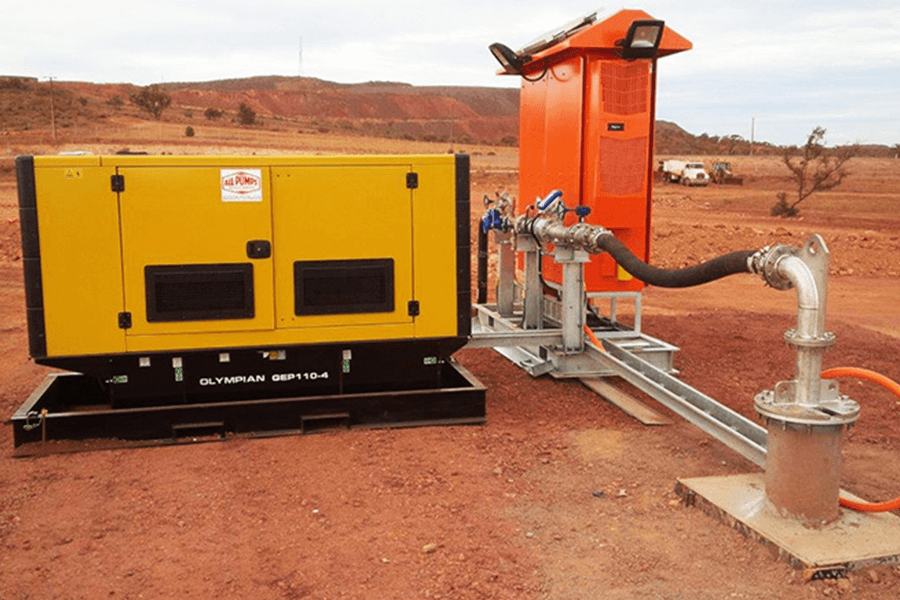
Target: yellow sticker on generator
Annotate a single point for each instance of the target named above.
(74, 174)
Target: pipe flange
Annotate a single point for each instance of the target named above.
(826, 340)
(832, 410)
(765, 261)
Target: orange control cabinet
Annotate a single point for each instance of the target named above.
(587, 121)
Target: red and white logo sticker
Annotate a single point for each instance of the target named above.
(241, 185)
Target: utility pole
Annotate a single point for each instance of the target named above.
(52, 111)
(300, 58)
(752, 133)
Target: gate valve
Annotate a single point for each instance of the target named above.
(552, 197)
(486, 222)
(493, 219)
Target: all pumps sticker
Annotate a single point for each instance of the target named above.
(241, 185)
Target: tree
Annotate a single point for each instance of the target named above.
(152, 99)
(212, 113)
(816, 169)
(732, 143)
(246, 115)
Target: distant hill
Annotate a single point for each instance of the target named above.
(467, 114)
(306, 104)
(672, 139)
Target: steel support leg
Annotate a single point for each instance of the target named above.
(534, 309)
(572, 262)
(506, 274)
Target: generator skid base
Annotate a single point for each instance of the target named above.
(71, 411)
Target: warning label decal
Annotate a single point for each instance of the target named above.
(241, 185)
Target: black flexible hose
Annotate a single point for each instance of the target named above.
(717, 268)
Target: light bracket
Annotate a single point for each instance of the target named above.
(511, 61)
(642, 39)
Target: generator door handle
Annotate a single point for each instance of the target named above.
(259, 249)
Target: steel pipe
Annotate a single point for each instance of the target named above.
(551, 230)
(810, 331)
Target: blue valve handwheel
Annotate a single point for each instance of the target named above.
(551, 197)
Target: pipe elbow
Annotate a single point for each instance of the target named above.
(809, 303)
(801, 276)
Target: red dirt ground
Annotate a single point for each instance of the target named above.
(504, 510)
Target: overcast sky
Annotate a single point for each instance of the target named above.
(790, 64)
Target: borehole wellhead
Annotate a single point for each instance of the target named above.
(805, 417)
(806, 399)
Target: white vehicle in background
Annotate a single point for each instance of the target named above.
(685, 173)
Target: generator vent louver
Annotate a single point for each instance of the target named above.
(625, 88)
(329, 287)
(622, 165)
(199, 292)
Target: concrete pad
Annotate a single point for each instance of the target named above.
(853, 541)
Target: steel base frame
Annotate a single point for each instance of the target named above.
(66, 413)
(540, 351)
(641, 360)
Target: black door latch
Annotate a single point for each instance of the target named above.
(259, 249)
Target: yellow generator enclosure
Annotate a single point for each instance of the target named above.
(196, 277)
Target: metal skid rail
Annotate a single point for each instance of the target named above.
(643, 361)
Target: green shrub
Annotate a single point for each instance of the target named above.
(246, 115)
